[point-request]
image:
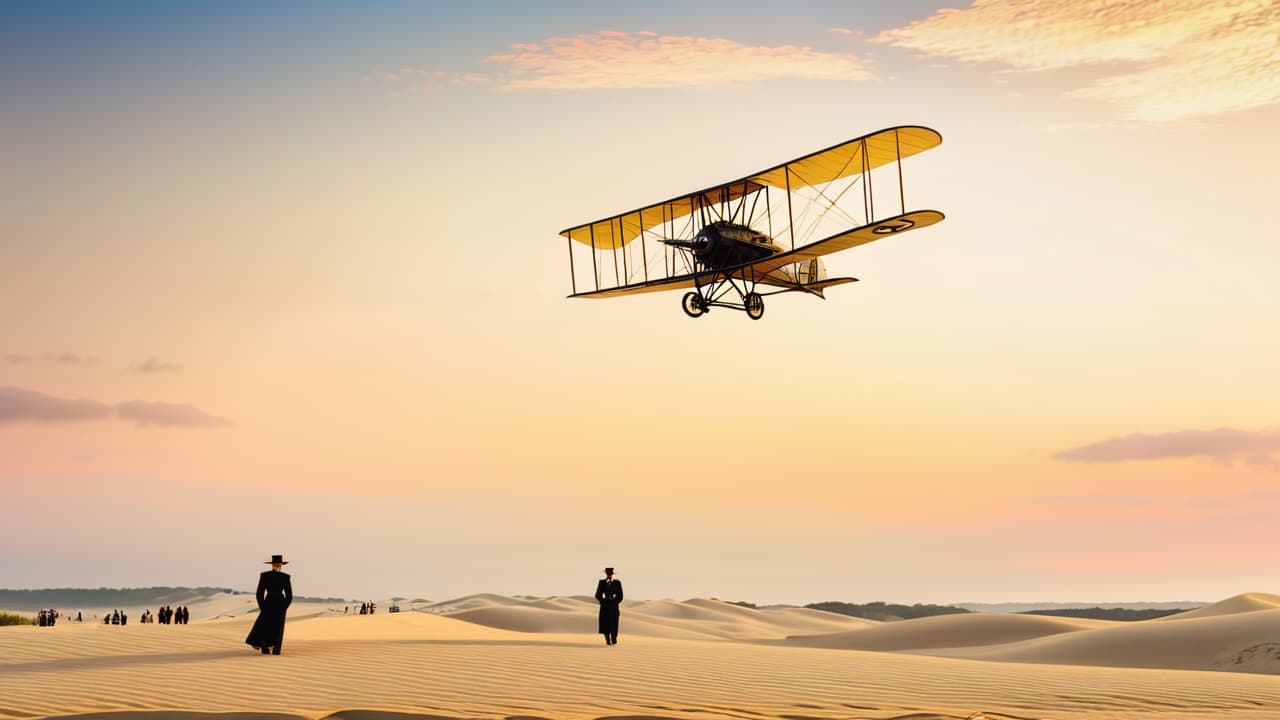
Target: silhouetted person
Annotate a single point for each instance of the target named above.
(42, 619)
(609, 593)
(79, 618)
(275, 593)
(124, 619)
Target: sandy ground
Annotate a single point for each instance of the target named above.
(740, 664)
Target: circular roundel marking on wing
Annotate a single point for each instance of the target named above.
(894, 226)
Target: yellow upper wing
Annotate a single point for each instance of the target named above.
(864, 153)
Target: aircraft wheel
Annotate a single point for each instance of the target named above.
(755, 306)
(693, 304)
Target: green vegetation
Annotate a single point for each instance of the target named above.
(886, 611)
(743, 603)
(12, 619)
(1098, 613)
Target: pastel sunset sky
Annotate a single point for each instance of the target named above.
(285, 278)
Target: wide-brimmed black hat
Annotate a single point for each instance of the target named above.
(276, 559)
(608, 571)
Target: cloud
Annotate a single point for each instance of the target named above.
(417, 81)
(168, 414)
(18, 405)
(152, 365)
(1119, 500)
(1225, 445)
(609, 59)
(68, 358)
(60, 358)
(1184, 58)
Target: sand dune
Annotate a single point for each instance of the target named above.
(1247, 641)
(1240, 634)
(945, 631)
(691, 619)
(1247, 602)
(415, 666)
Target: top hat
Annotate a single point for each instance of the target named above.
(608, 571)
(276, 559)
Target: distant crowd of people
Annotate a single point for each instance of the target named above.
(165, 616)
(168, 616)
(48, 618)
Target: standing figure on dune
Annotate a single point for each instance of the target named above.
(609, 593)
(275, 593)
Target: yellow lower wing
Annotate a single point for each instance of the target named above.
(766, 269)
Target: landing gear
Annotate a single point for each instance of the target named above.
(698, 302)
(693, 304)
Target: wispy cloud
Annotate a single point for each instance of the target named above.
(1119, 500)
(1224, 445)
(58, 358)
(152, 366)
(1185, 57)
(168, 414)
(609, 59)
(18, 405)
(417, 81)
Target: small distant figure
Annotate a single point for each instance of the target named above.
(364, 608)
(42, 619)
(79, 617)
(274, 595)
(115, 617)
(609, 593)
(124, 618)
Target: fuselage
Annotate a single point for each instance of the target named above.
(724, 244)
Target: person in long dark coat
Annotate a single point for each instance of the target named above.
(275, 593)
(609, 593)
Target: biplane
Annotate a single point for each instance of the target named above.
(764, 234)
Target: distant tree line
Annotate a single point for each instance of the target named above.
(123, 597)
(886, 612)
(116, 597)
(1098, 613)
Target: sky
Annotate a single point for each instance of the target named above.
(286, 278)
